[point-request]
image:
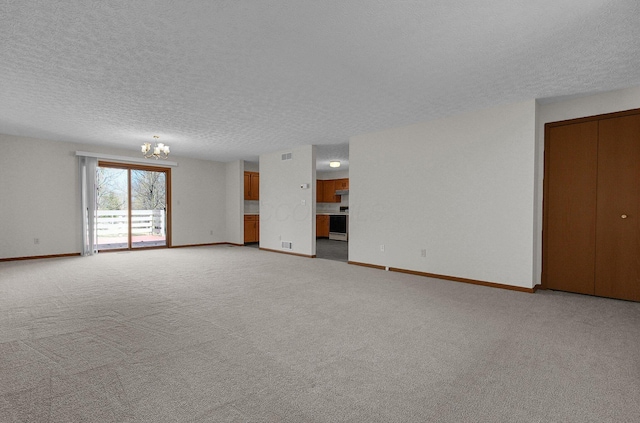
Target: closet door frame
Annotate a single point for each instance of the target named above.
(545, 203)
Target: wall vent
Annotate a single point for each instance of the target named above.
(286, 245)
(286, 156)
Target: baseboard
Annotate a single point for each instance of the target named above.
(287, 252)
(40, 257)
(451, 278)
(117, 250)
(374, 266)
(203, 245)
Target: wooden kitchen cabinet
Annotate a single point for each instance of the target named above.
(330, 192)
(251, 228)
(251, 186)
(342, 183)
(326, 190)
(319, 191)
(322, 226)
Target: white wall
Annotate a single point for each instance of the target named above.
(462, 188)
(39, 197)
(336, 174)
(283, 217)
(198, 202)
(252, 166)
(235, 202)
(597, 104)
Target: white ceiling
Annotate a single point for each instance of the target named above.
(227, 80)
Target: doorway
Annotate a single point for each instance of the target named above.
(133, 207)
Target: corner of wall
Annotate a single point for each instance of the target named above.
(234, 195)
(287, 211)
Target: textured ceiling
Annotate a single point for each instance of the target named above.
(227, 80)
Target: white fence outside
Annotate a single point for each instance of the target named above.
(143, 222)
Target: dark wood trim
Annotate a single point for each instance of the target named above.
(115, 250)
(373, 266)
(590, 118)
(545, 203)
(168, 206)
(545, 187)
(151, 168)
(41, 257)
(464, 280)
(158, 168)
(119, 250)
(449, 278)
(203, 245)
(286, 252)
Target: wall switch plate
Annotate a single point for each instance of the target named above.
(382, 247)
(303, 202)
(423, 253)
(36, 240)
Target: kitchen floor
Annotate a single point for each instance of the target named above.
(330, 249)
(327, 249)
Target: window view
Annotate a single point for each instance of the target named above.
(131, 208)
(148, 192)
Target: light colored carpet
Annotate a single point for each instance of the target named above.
(235, 334)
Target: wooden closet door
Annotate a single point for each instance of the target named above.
(571, 158)
(618, 221)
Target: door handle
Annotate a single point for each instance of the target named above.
(624, 216)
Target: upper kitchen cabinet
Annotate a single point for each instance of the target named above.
(326, 190)
(329, 192)
(319, 191)
(342, 184)
(251, 186)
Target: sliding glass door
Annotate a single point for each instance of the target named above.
(148, 208)
(132, 207)
(112, 212)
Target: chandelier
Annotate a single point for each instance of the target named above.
(160, 151)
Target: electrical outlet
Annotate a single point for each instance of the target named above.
(423, 253)
(303, 202)
(382, 248)
(36, 241)
(211, 232)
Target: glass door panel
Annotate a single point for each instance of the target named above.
(148, 208)
(112, 220)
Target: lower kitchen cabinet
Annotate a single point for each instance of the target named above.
(251, 228)
(322, 226)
